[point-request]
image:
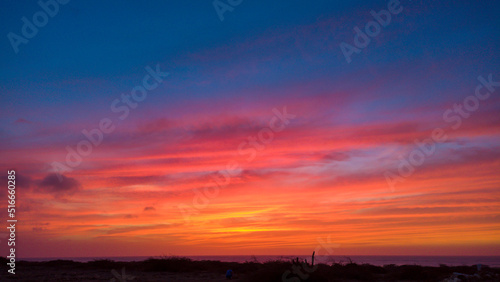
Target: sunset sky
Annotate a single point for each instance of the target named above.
(326, 178)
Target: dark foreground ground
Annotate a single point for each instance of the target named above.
(183, 269)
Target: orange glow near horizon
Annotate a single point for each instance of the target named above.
(282, 202)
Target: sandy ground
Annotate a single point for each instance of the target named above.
(44, 274)
(208, 271)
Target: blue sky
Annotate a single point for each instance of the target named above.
(353, 122)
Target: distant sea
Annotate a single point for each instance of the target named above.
(493, 261)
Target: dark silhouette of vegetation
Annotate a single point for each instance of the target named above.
(267, 271)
